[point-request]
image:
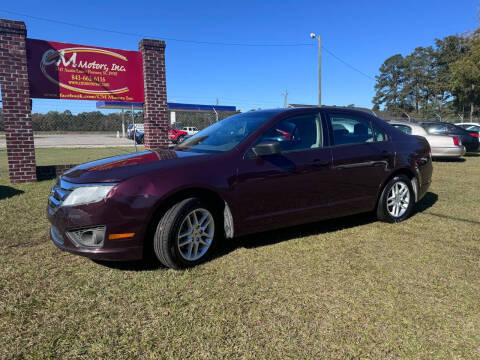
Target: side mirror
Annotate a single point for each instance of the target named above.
(266, 148)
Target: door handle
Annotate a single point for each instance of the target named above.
(320, 163)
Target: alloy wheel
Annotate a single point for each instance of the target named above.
(398, 199)
(196, 234)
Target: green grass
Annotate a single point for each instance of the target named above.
(348, 288)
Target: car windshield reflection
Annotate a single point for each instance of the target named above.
(226, 134)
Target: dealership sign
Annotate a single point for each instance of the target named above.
(79, 72)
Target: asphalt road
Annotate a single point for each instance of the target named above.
(75, 141)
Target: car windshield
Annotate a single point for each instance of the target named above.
(226, 134)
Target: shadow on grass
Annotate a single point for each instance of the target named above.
(427, 202)
(316, 228)
(149, 264)
(285, 234)
(471, 154)
(452, 160)
(8, 192)
(274, 237)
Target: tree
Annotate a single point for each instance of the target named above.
(465, 77)
(448, 50)
(418, 71)
(389, 84)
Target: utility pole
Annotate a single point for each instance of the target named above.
(135, 131)
(313, 36)
(123, 124)
(285, 96)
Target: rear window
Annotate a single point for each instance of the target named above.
(435, 128)
(404, 128)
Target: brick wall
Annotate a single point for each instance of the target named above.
(155, 107)
(16, 101)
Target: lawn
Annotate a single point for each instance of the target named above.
(348, 288)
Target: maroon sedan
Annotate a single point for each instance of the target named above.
(248, 173)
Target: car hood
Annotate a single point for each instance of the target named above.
(118, 168)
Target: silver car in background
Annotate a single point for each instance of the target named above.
(441, 145)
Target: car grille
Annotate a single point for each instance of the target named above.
(58, 194)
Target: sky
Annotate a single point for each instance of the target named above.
(361, 34)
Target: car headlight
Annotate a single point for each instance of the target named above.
(87, 194)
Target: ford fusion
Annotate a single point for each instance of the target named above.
(251, 172)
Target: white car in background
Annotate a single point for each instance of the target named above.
(190, 130)
(469, 126)
(441, 145)
(138, 127)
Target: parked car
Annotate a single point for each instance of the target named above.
(441, 145)
(471, 127)
(190, 130)
(140, 137)
(139, 127)
(443, 128)
(232, 179)
(175, 136)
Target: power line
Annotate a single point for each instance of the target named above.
(185, 40)
(347, 64)
(158, 37)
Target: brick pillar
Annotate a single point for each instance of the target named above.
(154, 81)
(16, 101)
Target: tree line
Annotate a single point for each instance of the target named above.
(98, 121)
(433, 82)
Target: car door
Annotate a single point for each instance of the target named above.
(291, 187)
(362, 157)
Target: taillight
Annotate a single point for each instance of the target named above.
(455, 141)
(474, 134)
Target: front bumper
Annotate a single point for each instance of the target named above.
(121, 253)
(67, 219)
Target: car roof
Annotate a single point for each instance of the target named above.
(295, 109)
(401, 122)
(436, 122)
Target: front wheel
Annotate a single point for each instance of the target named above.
(397, 200)
(186, 234)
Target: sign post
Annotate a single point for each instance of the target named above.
(31, 68)
(16, 106)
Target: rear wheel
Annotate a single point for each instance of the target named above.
(397, 200)
(186, 234)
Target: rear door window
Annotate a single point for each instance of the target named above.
(352, 129)
(404, 128)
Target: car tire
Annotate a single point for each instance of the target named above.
(396, 201)
(183, 237)
(180, 139)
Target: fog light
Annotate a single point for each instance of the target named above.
(92, 237)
